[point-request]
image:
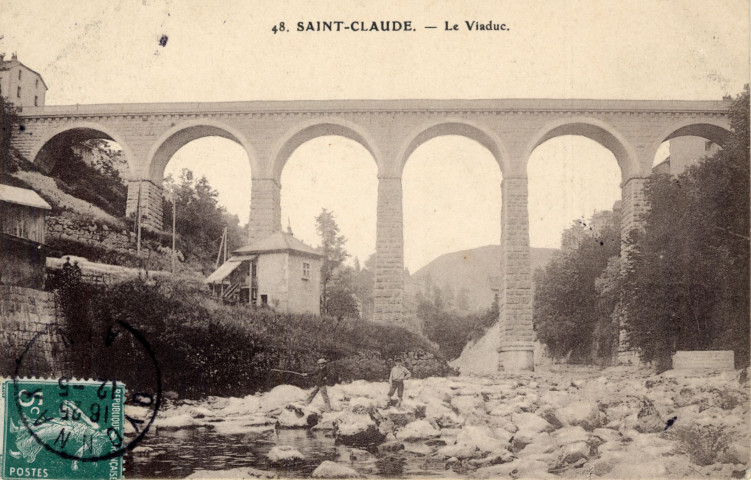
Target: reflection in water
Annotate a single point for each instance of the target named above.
(176, 454)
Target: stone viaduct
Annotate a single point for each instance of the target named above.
(149, 134)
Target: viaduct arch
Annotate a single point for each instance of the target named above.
(390, 130)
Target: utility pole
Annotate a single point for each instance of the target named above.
(174, 217)
(138, 219)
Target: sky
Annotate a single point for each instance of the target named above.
(109, 52)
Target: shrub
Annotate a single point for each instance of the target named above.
(205, 348)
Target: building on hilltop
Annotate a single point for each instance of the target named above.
(20, 85)
(278, 271)
(22, 237)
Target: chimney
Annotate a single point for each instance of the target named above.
(14, 56)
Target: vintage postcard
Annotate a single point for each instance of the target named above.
(287, 239)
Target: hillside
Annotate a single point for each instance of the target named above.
(475, 270)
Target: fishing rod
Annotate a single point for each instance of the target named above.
(288, 371)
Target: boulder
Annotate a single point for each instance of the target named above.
(483, 439)
(420, 448)
(329, 469)
(607, 434)
(326, 422)
(417, 430)
(442, 415)
(648, 420)
(580, 413)
(573, 452)
(295, 416)
(241, 406)
(567, 435)
(280, 396)
(284, 454)
(357, 429)
(468, 405)
(530, 422)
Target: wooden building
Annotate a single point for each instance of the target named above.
(22, 247)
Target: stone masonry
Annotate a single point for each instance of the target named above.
(390, 130)
(265, 209)
(515, 295)
(389, 274)
(28, 315)
(151, 203)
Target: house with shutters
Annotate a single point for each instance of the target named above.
(279, 272)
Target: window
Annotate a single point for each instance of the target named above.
(36, 83)
(19, 74)
(264, 300)
(36, 101)
(305, 270)
(18, 92)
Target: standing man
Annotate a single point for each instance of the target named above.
(322, 374)
(398, 375)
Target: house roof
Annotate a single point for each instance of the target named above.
(278, 242)
(8, 64)
(226, 268)
(22, 196)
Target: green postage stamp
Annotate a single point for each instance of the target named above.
(62, 429)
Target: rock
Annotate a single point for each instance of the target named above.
(419, 448)
(543, 443)
(652, 468)
(468, 405)
(556, 399)
(442, 415)
(391, 446)
(357, 429)
(582, 413)
(242, 472)
(547, 413)
(575, 451)
(460, 451)
(519, 468)
(399, 417)
(280, 396)
(242, 406)
(648, 420)
(531, 422)
(493, 459)
(483, 439)
(295, 416)
(284, 454)
(567, 435)
(362, 405)
(327, 420)
(417, 430)
(176, 422)
(329, 469)
(736, 452)
(607, 434)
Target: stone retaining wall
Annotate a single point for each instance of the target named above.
(105, 237)
(28, 315)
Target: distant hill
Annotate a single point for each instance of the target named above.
(476, 270)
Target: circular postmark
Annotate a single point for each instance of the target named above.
(84, 421)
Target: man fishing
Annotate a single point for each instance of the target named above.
(322, 375)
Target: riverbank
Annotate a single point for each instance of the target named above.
(563, 421)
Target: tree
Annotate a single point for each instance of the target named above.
(200, 219)
(334, 254)
(567, 306)
(687, 282)
(9, 121)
